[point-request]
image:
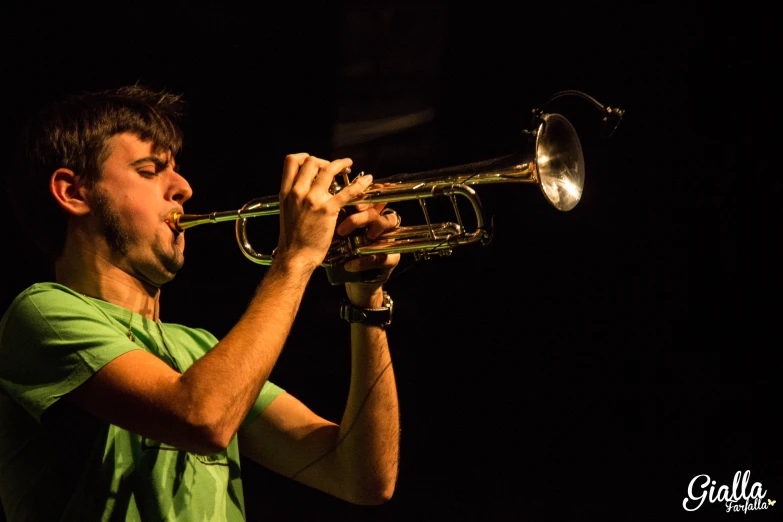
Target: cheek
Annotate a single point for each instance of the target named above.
(137, 208)
(138, 217)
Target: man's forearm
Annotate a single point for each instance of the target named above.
(225, 382)
(370, 428)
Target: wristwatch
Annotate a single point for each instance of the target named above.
(371, 316)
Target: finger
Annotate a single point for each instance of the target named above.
(306, 176)
(361, 207)
(290, 168)
(354, 190)
(357, 220)
(371, 261)
(323, 181)
(365, 206)
(377, 220)
(389, 219)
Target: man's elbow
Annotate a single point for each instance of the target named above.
(207, 434)
(384, 495)
(374, 492)
(201, 441)
(214, 436)
(210, 442)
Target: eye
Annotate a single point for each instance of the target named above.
(148, 173)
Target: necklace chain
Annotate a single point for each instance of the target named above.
(162, 337)
(130, 330)
(130, 322)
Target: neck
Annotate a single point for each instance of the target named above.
(90, 273)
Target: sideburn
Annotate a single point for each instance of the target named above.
(117, 237)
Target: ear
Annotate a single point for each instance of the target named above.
(67, 189)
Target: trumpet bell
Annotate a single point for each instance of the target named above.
(559, 162)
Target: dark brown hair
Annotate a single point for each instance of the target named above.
(72, 133)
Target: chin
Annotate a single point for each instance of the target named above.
(173, 266)
(163, 278)
(169, 265)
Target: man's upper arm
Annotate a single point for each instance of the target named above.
(58, 344)
(292, 440)
(50, 343)
(140, 393)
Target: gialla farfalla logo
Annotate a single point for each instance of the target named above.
(739, 498)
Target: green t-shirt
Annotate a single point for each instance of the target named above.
(57, 463)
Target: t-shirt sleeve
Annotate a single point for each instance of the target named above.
(268, 393)
(51, 342)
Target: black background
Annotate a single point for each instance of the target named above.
(583, 365)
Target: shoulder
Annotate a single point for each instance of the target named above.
(48, 291)
(55, 312)
(39, 298)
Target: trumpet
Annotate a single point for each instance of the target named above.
(551, 158)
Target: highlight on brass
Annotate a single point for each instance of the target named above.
(552, 159)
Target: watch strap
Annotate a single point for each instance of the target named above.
(370, 316)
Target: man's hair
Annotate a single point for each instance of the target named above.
(72, 133)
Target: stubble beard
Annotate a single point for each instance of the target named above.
(115, 234)
(119, 238)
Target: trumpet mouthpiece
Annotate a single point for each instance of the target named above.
(173, 221)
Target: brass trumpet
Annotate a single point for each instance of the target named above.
(552, 158)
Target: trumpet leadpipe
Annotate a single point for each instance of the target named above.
(268, 206)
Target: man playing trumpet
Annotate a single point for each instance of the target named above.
(107, 411)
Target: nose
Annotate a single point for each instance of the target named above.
(179, 189)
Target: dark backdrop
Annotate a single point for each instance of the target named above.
(583, 365)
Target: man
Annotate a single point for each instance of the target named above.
(109, 413)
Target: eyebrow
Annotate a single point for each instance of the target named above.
(158, 162)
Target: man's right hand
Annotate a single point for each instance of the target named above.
(308, 211)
